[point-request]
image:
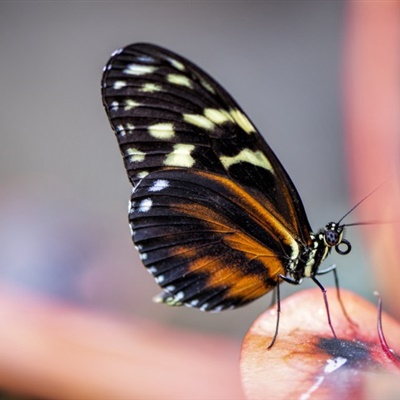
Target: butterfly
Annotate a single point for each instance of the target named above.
(214, 215)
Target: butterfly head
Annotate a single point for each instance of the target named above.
(333, 237)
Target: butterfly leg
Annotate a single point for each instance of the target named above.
(276, 294)
(273, 298)
(332, 268)
(319, 284)
(278, 301)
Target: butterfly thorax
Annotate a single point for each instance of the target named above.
(311, 257)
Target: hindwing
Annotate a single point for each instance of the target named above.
(213, 212)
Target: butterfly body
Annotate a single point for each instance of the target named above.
(214, 215)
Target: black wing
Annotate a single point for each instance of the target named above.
(214, 214)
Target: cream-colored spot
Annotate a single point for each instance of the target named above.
(257, 158)
(150, 87)
(242, 121)
(218, 116)
(142, 174)
(181, 80)
(168, 299)
(129, 104)
(207, 86)
(308, 268)
(180, 156)
(199, 120)
(163, 130)
(177, 64)
(119, 84)
(129, 126)
(138, 69)
(135, 155)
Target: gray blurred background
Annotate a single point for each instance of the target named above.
(64, 191)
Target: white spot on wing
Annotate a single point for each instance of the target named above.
(204, 307)
(120, 130)
(145, 205)
(159, 185)
(180, 156)
(178, 79)
(179, 296)
(119, 84)
(194, 302)
(159, 278)
(199, 120)
(138, 69)
(145, 58)
(114, 105)
(163, 130)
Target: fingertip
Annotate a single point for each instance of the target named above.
(306, 358)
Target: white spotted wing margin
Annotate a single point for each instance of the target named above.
(212, 204)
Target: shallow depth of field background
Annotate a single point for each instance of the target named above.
(64, 191)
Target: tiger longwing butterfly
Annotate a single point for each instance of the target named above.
(213, 213)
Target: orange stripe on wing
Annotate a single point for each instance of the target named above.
(264, 214)
(228, 270)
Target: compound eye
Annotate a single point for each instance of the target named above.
(331, 238)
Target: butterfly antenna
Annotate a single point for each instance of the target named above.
(361, 201)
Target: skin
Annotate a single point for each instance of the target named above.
(306, 358)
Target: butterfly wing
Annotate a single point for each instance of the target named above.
(213, 212)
